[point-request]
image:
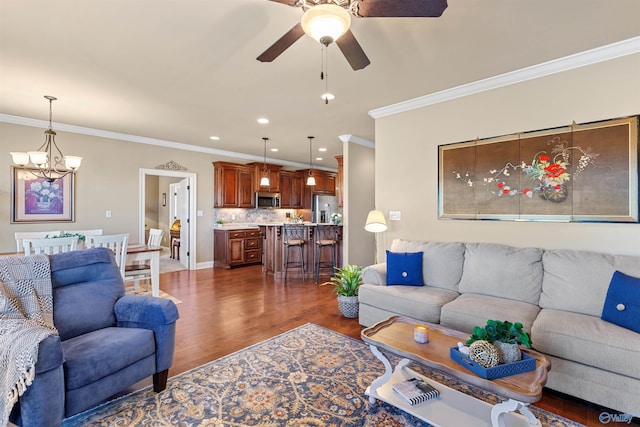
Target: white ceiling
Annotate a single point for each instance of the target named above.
(185, 70)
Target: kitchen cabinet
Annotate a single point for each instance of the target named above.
(273, 172)
(325, 181)
(236, 247)
(291, 189)
(234, 185)
(340, 182)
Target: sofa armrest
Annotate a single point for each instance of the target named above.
(156, 314)
(375, 274)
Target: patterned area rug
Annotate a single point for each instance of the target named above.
(309, 376)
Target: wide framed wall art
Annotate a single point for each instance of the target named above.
(581, 172)
(35, 199)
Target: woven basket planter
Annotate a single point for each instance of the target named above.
(348, 306)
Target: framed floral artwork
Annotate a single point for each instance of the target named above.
(581, 172)
(35, 199)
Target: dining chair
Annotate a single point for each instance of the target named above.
(116, 242)
(49, 246)
(155, 237)
(142, 271)
(20, 236)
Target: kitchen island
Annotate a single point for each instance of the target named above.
(273, 252)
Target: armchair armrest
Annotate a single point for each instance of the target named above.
(156, 314)
(375, 274)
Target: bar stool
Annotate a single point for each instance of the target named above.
(326, 237)
(294, 237)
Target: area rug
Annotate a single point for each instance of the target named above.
(130, 290)
(309, 376)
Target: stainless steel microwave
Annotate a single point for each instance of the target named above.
(267, 200)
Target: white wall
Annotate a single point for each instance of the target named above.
(406, 160)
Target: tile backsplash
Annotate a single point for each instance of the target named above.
(251, 215)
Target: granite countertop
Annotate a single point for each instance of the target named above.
(242, 226)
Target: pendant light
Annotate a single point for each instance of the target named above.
(47, 163)
(264, 181)
(310, 179)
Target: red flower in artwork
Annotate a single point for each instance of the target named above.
(505, 191)
(543, 158)
(554, 170)
(500, 184)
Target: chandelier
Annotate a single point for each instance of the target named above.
(47, 161)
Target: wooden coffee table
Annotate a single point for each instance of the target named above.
(452, 408)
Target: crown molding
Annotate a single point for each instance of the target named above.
(593, 56)
(357, 140)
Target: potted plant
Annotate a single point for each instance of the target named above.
(506, 336)
(346, 282)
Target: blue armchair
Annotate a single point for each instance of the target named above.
(106, 341)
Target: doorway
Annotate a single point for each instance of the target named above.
(186, 208)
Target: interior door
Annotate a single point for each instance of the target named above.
(183, 198)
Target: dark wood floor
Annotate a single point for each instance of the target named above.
(223, 311)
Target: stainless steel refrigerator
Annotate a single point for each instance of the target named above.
(323, 207)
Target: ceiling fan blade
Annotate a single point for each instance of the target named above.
(282, 44)
(401, 9)
(352, 50)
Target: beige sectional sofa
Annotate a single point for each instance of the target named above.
(557, 294)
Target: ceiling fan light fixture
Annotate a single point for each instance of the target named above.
(325, 23)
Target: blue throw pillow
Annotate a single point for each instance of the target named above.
(404, 268)
(622, 305)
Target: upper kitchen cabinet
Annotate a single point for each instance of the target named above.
(325, 181)
(234, 185)
(291, 189)
(273, 172)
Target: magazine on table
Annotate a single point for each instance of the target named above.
(415, 390)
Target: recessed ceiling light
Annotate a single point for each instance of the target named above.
(319, 158)
(263, 120)
(328, 96)
(215, 138)
(274, 150)
(322, 149)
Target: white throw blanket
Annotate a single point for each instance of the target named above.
(26, 318)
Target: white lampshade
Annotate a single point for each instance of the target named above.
(20, 158)
(375, 222)
(38, 158)
(264, 181)
(311, 180)
(72, 162)
(325, 20)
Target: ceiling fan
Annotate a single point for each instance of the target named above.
(327, 21)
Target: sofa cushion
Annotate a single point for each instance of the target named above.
(502, 271)
(98, 354)
(419, 302)
(404, 268)
(469, 310)
(588, 340)
(578, 281)
(622, 305)
(442, 262)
